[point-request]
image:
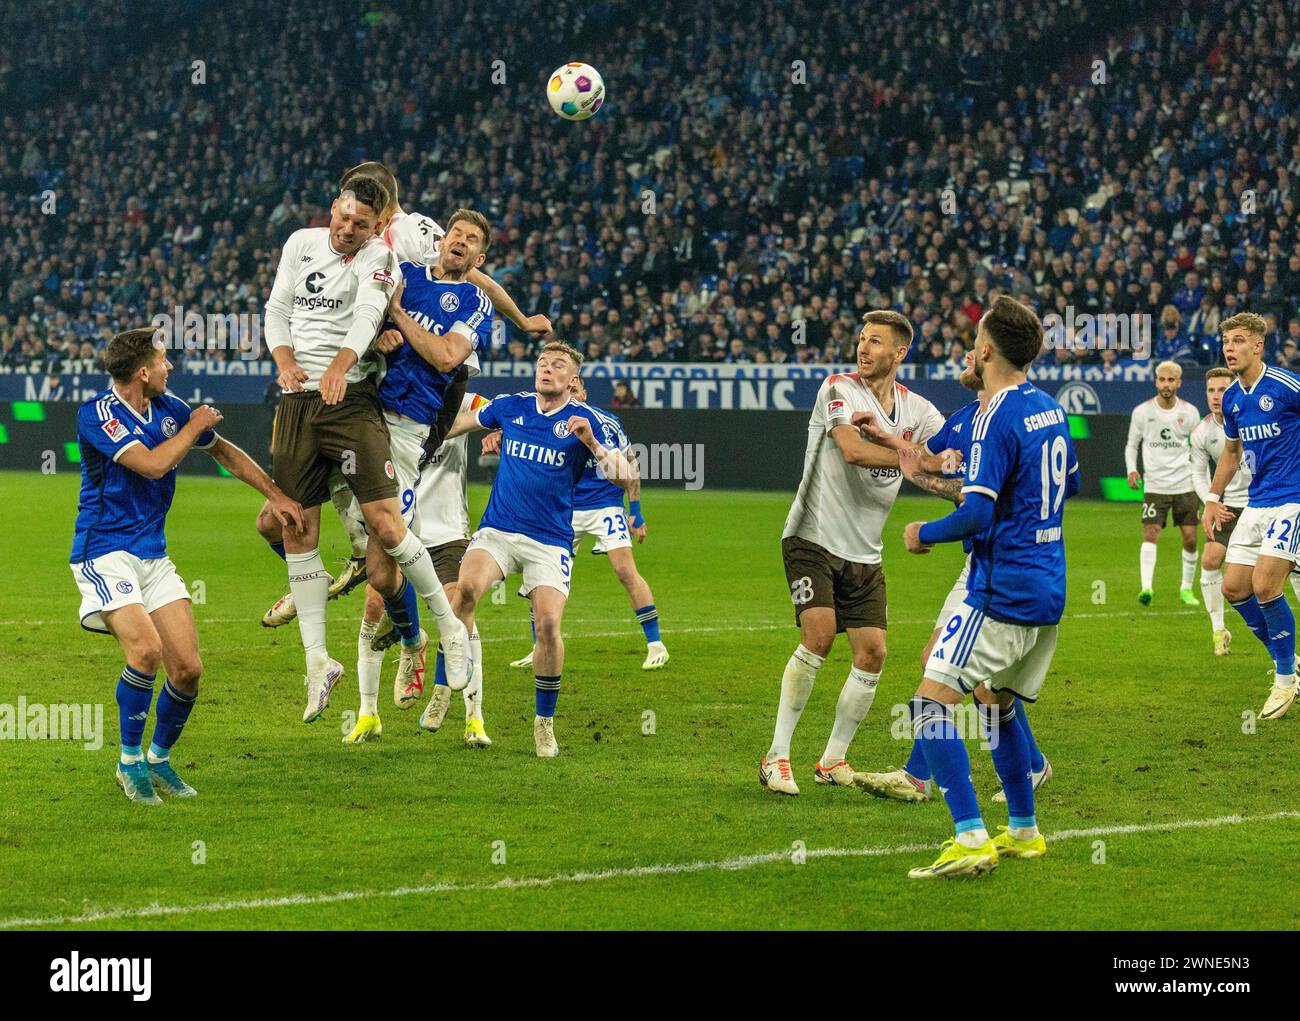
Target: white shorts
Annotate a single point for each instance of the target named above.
(119, 579)
(518, 554)
(956, 597)
(608, 525)
(1265, 532)
(405, 446)
(973, 649)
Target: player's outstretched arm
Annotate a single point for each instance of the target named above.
(973, 516)
(156, 462)
(911, 461)
(506, 304)
(465, 422)
(232, 458)
(858, 452)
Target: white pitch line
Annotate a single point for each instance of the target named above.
(711, 629)
(738, 863)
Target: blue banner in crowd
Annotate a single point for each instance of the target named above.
(1081, 390)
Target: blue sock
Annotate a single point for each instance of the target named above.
(1281, 634)
(548, 693)
(1254, 618)
(945, 753)
(649, 618)
(278, 549)
(134, 696)
(1011, 760)
(172, 711)
(1022, 721)
(916, 764)
(440, 670)
(404, 611)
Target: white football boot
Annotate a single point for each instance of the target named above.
(318, 690)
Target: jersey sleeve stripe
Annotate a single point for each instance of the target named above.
(984, 490)
(123, 449)
(1283, 378)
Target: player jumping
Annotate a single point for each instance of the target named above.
(831, 542)
(1020, 470)
(1160, 428)
(1261, 417)
(330, 296)
(132, 436)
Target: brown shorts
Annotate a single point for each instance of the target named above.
(1223, 534)
(446, 559)
(856, 592)
(311, 440)
(1156, 508)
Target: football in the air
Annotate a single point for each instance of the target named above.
(576, 91)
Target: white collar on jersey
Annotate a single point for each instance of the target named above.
(127, 404)
(1263, 371)
(537, 403)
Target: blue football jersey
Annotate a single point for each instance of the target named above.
(595, 492)
(1266, 419)
(1021, 456)
(120, 509)
(955, 435)
(541, 464)
(411, 386)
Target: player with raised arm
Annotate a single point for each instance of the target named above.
(414, 238)
(1261, 425)
(1206, 449)
(598, 512)
(330, 296)
(527, 527)
(442, 320)
(1160, 429)
(831, 542)
(912, 783)
(1020, 470)
(132, 436)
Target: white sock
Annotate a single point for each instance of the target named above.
(310, 585)
(1023, 832)
(1189, 567)
(856, 696)
(369, 666)
(1212, 593)
(1284, 680)
(473, 693)
(796, 686)
(973, 838)
(1147, 564)
(414, 561)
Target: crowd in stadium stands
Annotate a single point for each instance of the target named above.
(753, 185)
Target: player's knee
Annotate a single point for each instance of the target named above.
(185, 677)
(267, 525)
(1235, 591)
(871, 659)
(818, 640)
(1209, 561)
(145, 656)
(548, 630)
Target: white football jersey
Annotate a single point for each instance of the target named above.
(318, 293)
(1207, 448)
(1162, 436)
(841, 507)
(413, 237)
(441, 492)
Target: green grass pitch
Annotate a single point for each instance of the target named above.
(626, 829)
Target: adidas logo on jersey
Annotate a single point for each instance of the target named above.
(518, 421)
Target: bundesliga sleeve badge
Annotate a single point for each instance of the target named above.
(114, 429)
